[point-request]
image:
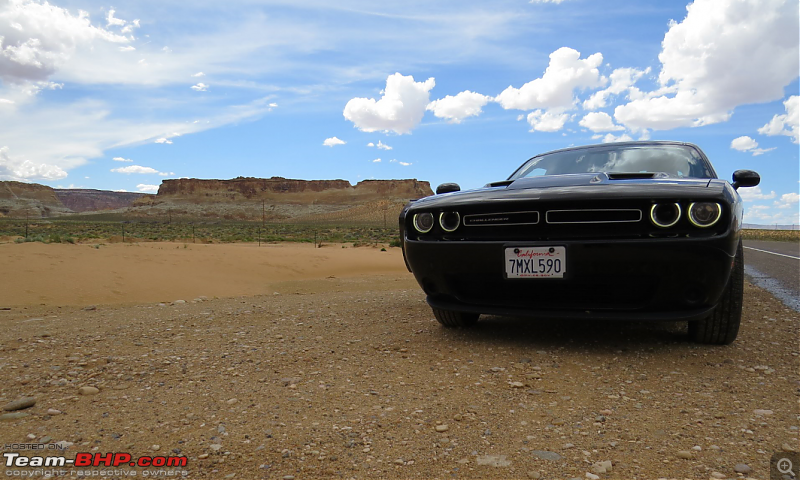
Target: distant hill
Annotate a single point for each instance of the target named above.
(754, 226)
(88, 200)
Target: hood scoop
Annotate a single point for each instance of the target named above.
(635, 175)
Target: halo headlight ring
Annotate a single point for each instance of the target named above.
(423, 222)
(449, 221)
(662, 224)
(694, 221)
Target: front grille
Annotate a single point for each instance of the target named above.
(593, 292)
(507, 218)
(606, 215)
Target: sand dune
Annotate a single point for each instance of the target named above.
(63, 274)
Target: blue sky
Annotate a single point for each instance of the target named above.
(120, 97)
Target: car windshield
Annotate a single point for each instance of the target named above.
(674, 160)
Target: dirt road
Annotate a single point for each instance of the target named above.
(352, 378)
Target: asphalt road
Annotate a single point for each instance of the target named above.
(778, 270)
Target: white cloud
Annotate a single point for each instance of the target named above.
(24, 169)
(147, 188)
(610, 138)
(37, 38)
(377, 160)
(380, 145)
(399, 110)
(787, 124)
(330, 142)
(743, 144)
(622, 79)
(121, 159)
(164, 140)
(199, 74)
(135, 169)
(116, 22)
(200, 87)
(788, 199)
(751, 194)
(548, 121)
(725, 53)
(599, 122)
(127, 48)
(546, 1)
(554, 90)
(405, 164)
(457, 108)
(273, 105)
(747, 144)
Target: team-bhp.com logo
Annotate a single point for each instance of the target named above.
(93, 460)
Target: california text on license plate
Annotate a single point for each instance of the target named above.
(536, 262)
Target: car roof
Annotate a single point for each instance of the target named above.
(639, 143)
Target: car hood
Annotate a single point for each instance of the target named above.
(580, 186)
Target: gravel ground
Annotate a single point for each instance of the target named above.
(353, 378)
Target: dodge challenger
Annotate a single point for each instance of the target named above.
(634, 230)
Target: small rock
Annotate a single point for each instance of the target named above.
(232, 401)
(684, 454)
(179, 302)
(762, 413)
(53, 411)
(288, 477)
(215, 446)
(718, 475)
(399, 461)
(545, 455)
(442, 428)
(90, 308)
(88, 390)
(202, 456)
(10, 417)
(155, 448)
(788, 448)
(600, 418)
(517, 384)
(20, 404)
(592, 476)
(742, 468)
(458, 417)
(697, 448)
(534, 475)
(493, 460)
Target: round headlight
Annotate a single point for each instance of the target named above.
(423, 222)
(665, 215)
(704, 214)
(449, 221)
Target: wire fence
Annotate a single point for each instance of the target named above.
(72, 231)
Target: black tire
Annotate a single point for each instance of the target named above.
(722, 326)
(451, 319)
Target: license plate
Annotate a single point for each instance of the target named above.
(536, 262)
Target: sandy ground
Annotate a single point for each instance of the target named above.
(350, 376)
(65, 274)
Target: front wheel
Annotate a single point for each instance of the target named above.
(722, 326)
(452, 319)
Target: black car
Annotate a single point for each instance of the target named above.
(635, 230)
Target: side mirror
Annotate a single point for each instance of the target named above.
(745, 178)
(447, 188)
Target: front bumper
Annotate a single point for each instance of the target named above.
(656, 279)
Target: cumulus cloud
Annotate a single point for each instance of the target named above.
(380, 145)
(13, 168)
(377, 160)
(121, 159)
(330, 142)
(199, 74)
(724, 53)
(610, 138)
(138, 169)
(787, 124)
(546, 121)
(147, 188)
(599, 122)
(405, 164)
(554, 90)
(747, 144)
(622, 79)
(37, 38)
(164, 140)
(399, 110)
(457, 108)
(755, 193)
(200, 87)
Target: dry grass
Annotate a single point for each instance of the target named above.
(774, 235)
